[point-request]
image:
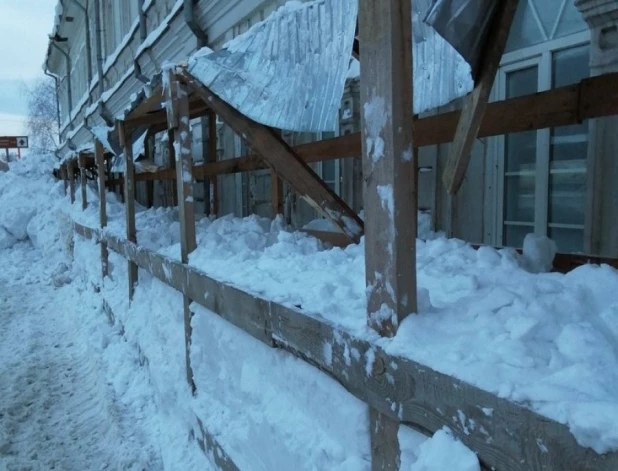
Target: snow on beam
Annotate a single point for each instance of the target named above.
(504, 434)
(283, 161)
(476, 102)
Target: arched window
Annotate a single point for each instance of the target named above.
(537, 21)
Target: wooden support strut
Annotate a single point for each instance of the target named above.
(476, 102)
(213, 196)
(391, 199)
(71, 175)
(178, 121)
(101, 171)
(276, 190)
(283, 161)
(129, 199)
(81, 160)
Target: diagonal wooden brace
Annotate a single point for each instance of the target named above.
(283, 160)
(476, 102)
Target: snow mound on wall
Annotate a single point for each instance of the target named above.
(32, 206)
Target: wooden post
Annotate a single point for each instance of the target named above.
(82, 179)
(101, 170)
(212, 202)
(71, 175)
(63, 173)
(276, 190)
(172, 159)
(177, 99)
(129, 199)
(149, 183)
(476, 102)
(390, 186)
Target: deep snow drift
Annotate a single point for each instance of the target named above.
(547, 340)
(82, 394)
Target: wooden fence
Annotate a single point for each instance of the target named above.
(512, 437)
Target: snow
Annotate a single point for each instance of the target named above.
(484, 317)
(440, 452)
(545, 340)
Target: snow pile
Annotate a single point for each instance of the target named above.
(31, 206)
(484, 317)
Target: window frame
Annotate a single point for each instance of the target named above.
(540, 55)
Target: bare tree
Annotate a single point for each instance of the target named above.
(42, 116)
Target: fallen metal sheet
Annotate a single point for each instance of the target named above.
(288, 71)
(464, 24)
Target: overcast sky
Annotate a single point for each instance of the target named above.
(24, 27)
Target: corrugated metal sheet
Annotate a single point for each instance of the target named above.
(464, 24)
(289, 71)
(441, 74)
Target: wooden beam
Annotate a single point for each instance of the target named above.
(82, 180)
(283, 161)
(158, 118)
(129, 199)
(177, 97)
(71, 176)
(390, 194)
(212, 202)
(276, 190)
(476, 102)
(63, 173)
(101, 171)
(504, 434)
(591, 98)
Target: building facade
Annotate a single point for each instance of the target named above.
(547, 182)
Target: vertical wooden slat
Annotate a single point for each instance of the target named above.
(71, 176)
(149, 183)
(129, 199)
(178, 120)
(82, 180)
(476, 102)
(390, 192)
(213, 196)
(101, 171)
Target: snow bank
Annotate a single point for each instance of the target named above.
(484, 317)
(439, 453)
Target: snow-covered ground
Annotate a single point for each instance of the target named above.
(79, 393)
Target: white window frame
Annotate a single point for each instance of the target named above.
(540, 55)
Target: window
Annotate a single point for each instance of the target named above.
(538, 21)
(543, 173)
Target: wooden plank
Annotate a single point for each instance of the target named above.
(129, 200)
(63, 173)
(71, 176)
(177, 97)
(285, 162)
(82, 180)
(212, 202)
(476, 102)
(506, 435)
(101, 171)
